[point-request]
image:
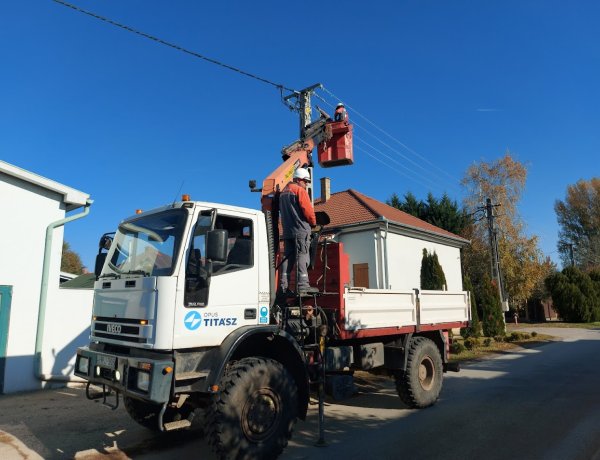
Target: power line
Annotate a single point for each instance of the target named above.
(391, 137)
(391, 148)
(174, 46)
(264, 80)
(414, 176)
(377, 158)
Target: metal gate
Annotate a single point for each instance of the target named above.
(5, 298)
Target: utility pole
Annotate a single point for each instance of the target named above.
(304, 109)
(495, 262)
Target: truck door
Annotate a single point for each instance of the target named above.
(219, 297)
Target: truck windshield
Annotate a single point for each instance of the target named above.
(146, 246)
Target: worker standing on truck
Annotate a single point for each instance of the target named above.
(297, 218)
(340, 113)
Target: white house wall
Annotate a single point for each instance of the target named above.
(405, 255)
(26, 211)
(361, 248)
(68, 319)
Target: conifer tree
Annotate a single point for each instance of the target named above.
(475, 329)
(492, 321)
(432, 274)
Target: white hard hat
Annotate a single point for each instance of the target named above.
(302, 173)
(340, 104)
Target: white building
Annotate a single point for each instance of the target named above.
(40, 325)
(385, 245)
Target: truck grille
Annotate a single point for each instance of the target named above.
(121, 330)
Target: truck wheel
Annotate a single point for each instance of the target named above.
(420, 384)
(255, 411)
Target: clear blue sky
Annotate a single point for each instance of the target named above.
(128, 120)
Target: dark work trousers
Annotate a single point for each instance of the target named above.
(300, 245)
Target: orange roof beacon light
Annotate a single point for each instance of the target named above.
(138, 211)
(185, 197)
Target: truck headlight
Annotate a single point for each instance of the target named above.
(143, 380)
(83, 365)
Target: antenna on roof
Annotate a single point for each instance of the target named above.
(178, 193)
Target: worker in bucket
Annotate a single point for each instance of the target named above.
(340, 113)
(297, 218)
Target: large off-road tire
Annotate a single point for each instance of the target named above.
(254, 413)
(420, 385)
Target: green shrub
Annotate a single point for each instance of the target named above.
(475, 329)
(457, 348)
(518, 336)
(471, 343)
(514, 337)
(534, 334)
(500, 338)
(489, 299)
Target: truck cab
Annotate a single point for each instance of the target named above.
(180, 289)
(157, 276)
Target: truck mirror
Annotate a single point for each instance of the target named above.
(100, 258)
(105, 241)
(322, 218)
(216, 245)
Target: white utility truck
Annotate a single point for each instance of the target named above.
(187, 320)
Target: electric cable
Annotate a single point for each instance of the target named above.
(426, 179)
(391, 137)
(375, 157)
(416, 173)
(174, 46)
(391, 148)
(279, 86)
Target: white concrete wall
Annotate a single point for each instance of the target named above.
(26, 211)
(404, 259)
(361, 248)
(67, 327)
(405, 256)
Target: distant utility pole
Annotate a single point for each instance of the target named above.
(495, 263)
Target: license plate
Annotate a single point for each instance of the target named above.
(106, 361)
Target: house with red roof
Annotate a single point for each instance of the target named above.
(385, 245)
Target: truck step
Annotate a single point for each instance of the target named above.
(191, 375)
(178, 425)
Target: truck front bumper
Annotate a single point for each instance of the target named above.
(140, 377)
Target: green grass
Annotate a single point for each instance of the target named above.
(481, 350)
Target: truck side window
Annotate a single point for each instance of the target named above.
(240, 245)
(196, 275)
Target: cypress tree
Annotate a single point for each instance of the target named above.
(493, 322)
(438, 273)
(432, 274)
(475, 329)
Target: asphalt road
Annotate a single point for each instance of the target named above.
(537, 403)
